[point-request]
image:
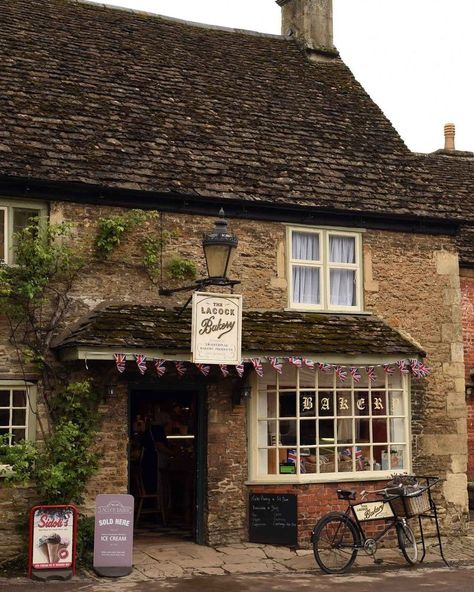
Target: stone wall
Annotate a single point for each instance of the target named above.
(467, 307)
(411, 281)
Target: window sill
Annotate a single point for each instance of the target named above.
(364, 313)
(327, 478)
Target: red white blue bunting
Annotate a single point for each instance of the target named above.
(343, 372)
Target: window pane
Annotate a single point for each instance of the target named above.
(23, 217)
(361, 403)
(305, 245)
(397, 430)
(327, 460)
(326, 404)
(4, 398)
(287, 404)
(308, 432)
(344, 431)
(362, 430)
(4, 417)
(395, 403)
(19, 398)
(19, 417)
(288, 432)
(2, 235)
(18, 436)
(307, 404)
(379, 430)
(379, 403)
(345, 456)
(341, 249)
(306, 284)
(342, 288)
(326, 432)
(344, 404)
(267, 461)
(309, 460)
(397, 457)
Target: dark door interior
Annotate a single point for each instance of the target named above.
(164, 455)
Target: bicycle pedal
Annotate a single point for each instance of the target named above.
(378, 561)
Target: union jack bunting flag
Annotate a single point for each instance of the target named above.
(388, 368)
(325, 367)
(298, 362)
(257, 364)
(371, 373)
(160, 367)
(276, 365)
(240, 369)
(308, 363)
(354, 372)
(203, 369)
(341, 373)
(224, 370)
(419, 370)
(403, 367)
(180, 368)
(141, 362)
(120, 360)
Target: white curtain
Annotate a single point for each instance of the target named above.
(306, 284)
(342, 281)
(306, 280)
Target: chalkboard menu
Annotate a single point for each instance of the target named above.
(273, 519)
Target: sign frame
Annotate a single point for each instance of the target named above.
(53, 570)
(209, 349)
(375, 510)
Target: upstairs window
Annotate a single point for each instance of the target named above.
(14, 216)
(324, 269)
(16, 411)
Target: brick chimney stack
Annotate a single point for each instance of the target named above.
(309, 21)
(449, 133)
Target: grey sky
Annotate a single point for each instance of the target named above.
(414, 57)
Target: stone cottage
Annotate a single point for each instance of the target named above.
(348, 262)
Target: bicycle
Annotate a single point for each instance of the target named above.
(338, 536)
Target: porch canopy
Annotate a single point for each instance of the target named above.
(160, 333)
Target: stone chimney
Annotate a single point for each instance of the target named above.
(449, 133)
(310, 22)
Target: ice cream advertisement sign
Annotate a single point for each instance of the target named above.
(52, 538)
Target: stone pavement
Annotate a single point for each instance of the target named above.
(174, 559)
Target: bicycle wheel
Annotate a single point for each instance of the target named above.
(407, 543)
(335, 539)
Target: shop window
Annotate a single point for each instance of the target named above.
(310, 426)
(16, 411)
(15, 216)
(324, 269)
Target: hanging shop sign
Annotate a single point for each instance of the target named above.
(52, 552)
(216, 328)
(113, 535)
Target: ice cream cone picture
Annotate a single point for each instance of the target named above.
(43, 547)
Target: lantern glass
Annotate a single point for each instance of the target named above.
(218, 259)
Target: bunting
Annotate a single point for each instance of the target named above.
(160, 367)
(180, 368)
(354, 372)
(224, 370)
(257, 364)
(203, 369)
(120, 360)
(141, 362)
(276, 365)
(407, 366)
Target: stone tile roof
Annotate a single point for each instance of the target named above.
(128, 100)
(152, 327)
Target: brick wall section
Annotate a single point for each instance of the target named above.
(467, 308)
(411, 281)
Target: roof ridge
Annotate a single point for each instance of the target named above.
(182, 21)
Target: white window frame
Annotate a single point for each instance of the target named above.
(8, 205)
(30, 415)
(325, 267)
(6, 232)
(355, 476)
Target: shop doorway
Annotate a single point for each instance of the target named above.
(167, 462)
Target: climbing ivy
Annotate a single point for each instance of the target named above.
(181, 269)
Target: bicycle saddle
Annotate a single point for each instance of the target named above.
(346, 494)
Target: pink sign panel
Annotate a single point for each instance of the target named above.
(113, 537)
(52, 538)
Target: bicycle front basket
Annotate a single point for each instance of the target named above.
(411, 505)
